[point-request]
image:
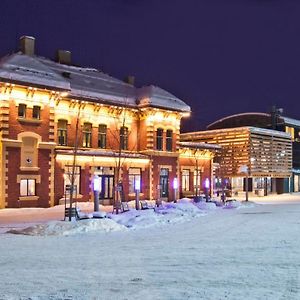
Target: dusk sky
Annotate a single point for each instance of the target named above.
(219, 56)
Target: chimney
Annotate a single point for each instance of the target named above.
(63, 57)
(27, 45)
(129, 79)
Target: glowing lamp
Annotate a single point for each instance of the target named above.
(137, 185)
(97, 183)
(206, 183)
(175, 184)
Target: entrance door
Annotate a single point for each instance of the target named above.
(106, 176)
(164, 182)
(107, 184)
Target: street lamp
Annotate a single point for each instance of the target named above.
(97, 188)
(206, 185)
(175, 187)
(137, 187)
(245, 170)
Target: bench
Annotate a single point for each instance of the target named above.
(74, 212)
(145, 205)
(124, 206)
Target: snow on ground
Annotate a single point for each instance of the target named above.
(70, 228)
(248, 253)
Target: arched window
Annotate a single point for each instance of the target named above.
(124, 138)
(62, 132)
(169, 140)
(102, 136)
(87, 135)
(159, 139)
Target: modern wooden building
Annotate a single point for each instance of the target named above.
(121, 133)
(276, 121)
(266, 154)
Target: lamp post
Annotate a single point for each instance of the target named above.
(245, 170)
(97, 188)
(175, 187)
(206, 185)
(137, 187)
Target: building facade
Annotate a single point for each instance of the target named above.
(266, 155)
(57, 119)
(276, 121)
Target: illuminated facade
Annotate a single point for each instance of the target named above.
(274, 120)
(266, 154)
(47, 108)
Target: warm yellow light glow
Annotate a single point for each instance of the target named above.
(188, 153)
(97, 160)
(186, 114)
(64, 94)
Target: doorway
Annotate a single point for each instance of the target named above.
(106, 178)
(164, 182)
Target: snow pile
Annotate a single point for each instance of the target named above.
(232, 204)
(70, 228)
(206, 205)
(168, 213)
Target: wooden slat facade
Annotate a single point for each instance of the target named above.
(267, 153)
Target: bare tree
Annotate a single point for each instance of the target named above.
(75, 150)
(119, 144)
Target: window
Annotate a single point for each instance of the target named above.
(22, 111)
(36, 112)
(87, 135)
(159, 139)
(134, 175)
(169, 140)
(102, 136)
(124, 138)
(68, 178)
(62, 132)
(27, 187)
(185, 180)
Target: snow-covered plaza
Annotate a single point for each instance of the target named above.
(249, 252)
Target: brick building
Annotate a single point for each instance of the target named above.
(49, 108)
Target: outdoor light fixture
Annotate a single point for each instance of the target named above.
(97, 188)
(137, 186)
(175, 184)
(97, 183)
(206, 185)
(175, 187)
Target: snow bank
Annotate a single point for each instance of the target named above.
(70, 228)
(168, 213)
(232, 204)
(206, 205)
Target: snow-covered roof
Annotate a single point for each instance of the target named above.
(225, 130)
(84, 83)
(28, 70)
(155, 96)
(269, 132)
(290, 121)
(200, 145)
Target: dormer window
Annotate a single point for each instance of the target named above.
(22, 110)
